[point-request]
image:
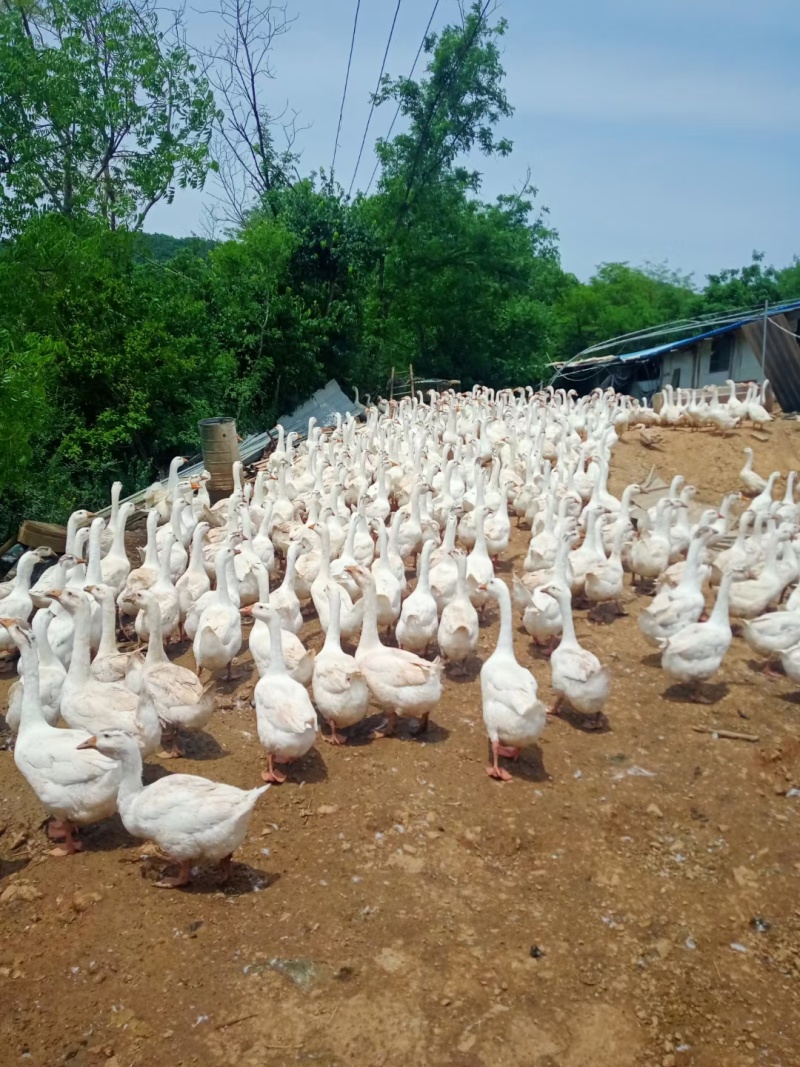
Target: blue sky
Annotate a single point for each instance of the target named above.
(660, 130)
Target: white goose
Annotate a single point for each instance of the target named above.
(459, 629)
(339, 688)
(673, 608)
(142, 577)
(351, 614)
(752, 482)
(115, 565)
(191, 819)
(109, 664)
(194, 582)
(512, 711)
(298, 659)
(219, 628)
(419, 617)
(578, 677)
(75, 788)
(387, 585)
(402, 683)
(182, 702)
(285, 716)
(480, 570)
(695, 653)
(284, 599)
(51, 677)
(773, 633)
(90, 705)
(167, 596)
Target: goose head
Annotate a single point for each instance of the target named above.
(114, 743)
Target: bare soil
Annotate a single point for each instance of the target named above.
(631, 898)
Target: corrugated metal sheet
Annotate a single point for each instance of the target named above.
(688, 342)
(324, 406)
(782, 359)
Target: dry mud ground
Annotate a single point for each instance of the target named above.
(631, 898)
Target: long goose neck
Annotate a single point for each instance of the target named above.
(333, 638)
(41, 624)
(720, 615)
(222, 592)
(155, 646)
(568, 637)
(369, 625)
(94, 576)
(450, 534)
(130, 785)
(505, 638)
(277, 664)
(72, 530)
(196, 560)
(480, 532)
(25, 567)
(31, 714)
(164, 560)
(108, 631)
(424, 578)
(415, 503)
(81, 652)
(325, 549)
(151, 549)
(118, 542)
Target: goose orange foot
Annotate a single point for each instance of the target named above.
(494, 770)
(182, 878)
(334, 737)
(71, 843)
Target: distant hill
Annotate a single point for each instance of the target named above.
(162, 246)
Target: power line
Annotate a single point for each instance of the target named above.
(374, 95)
(344, 91)
(410, 76)
(434, 107)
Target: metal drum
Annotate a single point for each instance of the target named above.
(220, 445)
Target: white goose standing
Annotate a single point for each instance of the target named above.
(76, 788)
(512, 711)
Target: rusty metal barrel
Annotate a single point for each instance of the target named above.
(220, 445)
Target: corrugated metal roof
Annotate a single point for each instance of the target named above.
(324, 406)
(688, 342)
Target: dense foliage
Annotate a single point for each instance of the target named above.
(113, 343)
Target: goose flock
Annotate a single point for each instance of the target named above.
(332, 527)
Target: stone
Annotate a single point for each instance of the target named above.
(19, 891)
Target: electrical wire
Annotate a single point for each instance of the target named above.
(410, 76)
(374, 95)
(344, 91)
(434, 107)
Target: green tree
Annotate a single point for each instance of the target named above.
(621, 299)
(102, 110)
(133, 355)
(740, 288)
(463, 286)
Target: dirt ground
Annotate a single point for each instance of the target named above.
(631, 898)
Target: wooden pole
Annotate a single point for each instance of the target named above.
(391, 386)
(411, 376)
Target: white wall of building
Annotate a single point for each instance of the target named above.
(746, 366)
(678, 361)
